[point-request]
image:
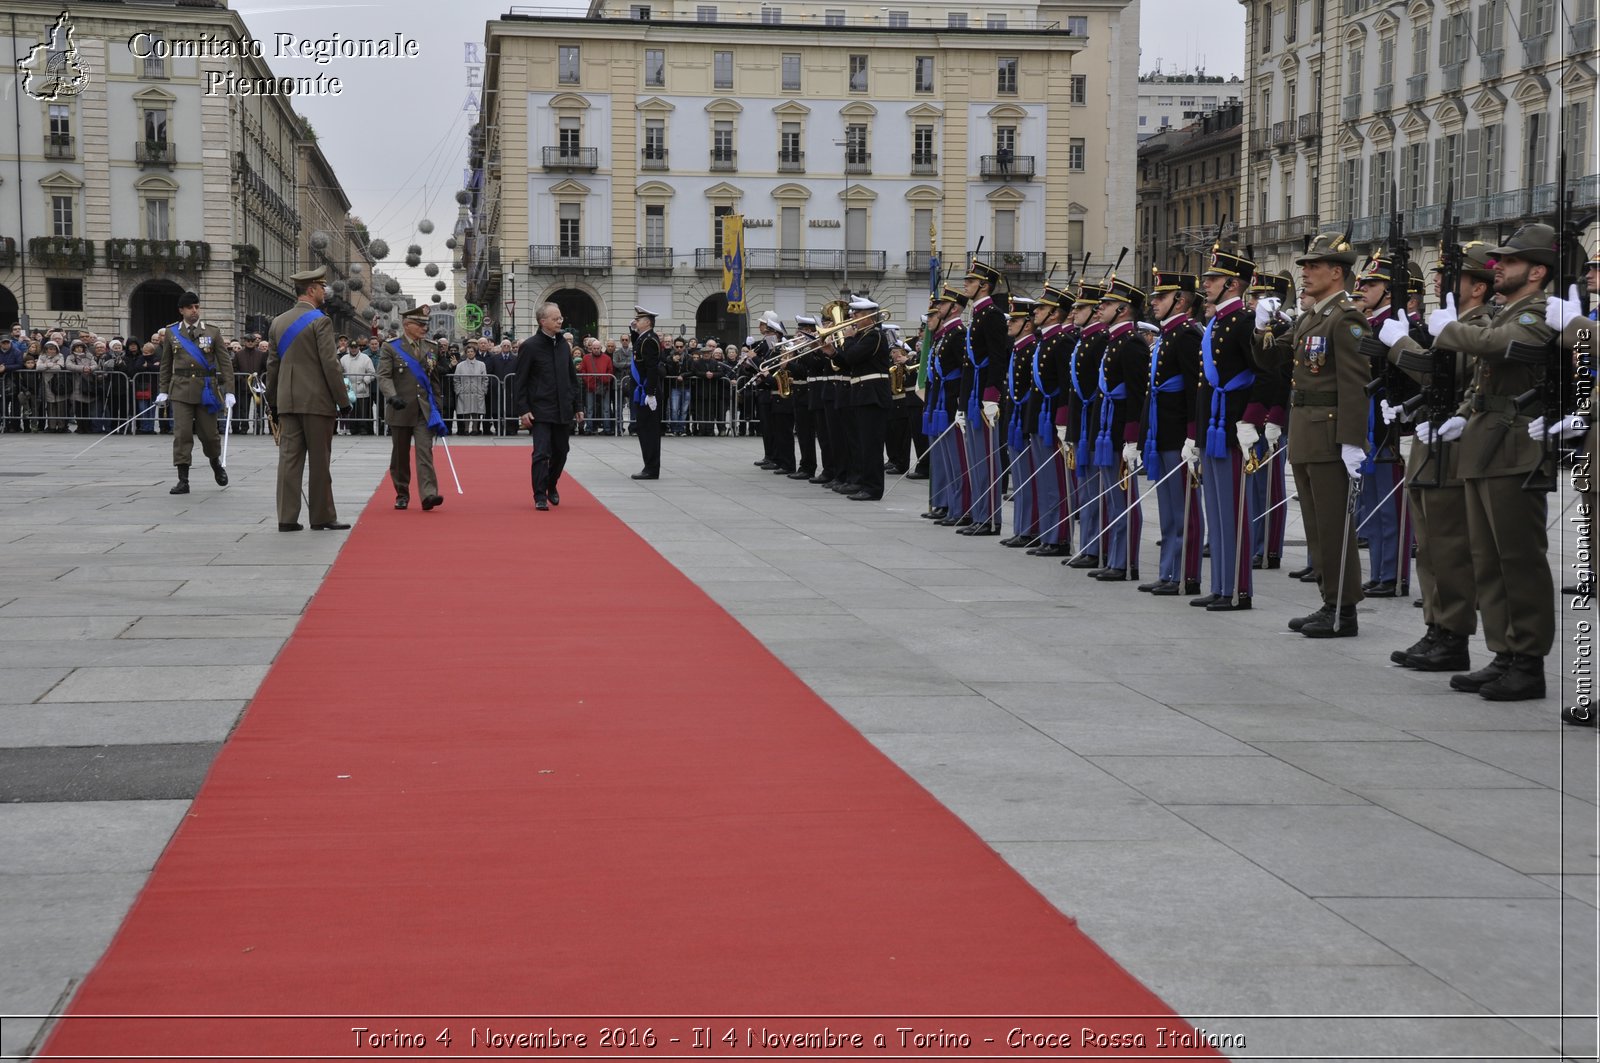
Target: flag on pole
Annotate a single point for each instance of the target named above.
(933, 271)
(733, 261)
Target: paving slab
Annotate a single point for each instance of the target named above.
(160, 683)
(22, 686)
(1192, 780)
(105, 723)
(75, 837)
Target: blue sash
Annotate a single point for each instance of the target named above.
(1103, 452)
(1047, 405)
(639, 393)
(208, 394)
(935, 418)
(1216, 428)
(975, 400)
(296, 326)
(1083, 400)
(435, 422)
(1166, 387)
(1014, 433)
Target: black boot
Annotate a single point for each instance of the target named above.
(1473, 682)
(1417, 648)
(1523, 681)
(219, 473)
(1299, 622)
(182, 486)
(1447, 654)
(1324, 626)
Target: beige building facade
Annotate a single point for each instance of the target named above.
(855, 144)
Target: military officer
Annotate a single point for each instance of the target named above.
(1327, 426)
(197, 379)
(948, 500)
(1506, 524)
(1123, 374)
(1439, 514)
(1166, 422)
(1019, 393)
(1270, 402)
(988, 348)
(412, 411)
(1047, 402)
(306, 390)
(1082, 368)
(646, 371)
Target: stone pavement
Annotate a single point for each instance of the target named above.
(1253, 823)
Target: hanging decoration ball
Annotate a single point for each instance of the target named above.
(356, 267)
(431, 269)
(450, 243)
(338, 287)
(414, 249)
(319, 240)
(438, 286)
(391, 286)
(413, 260)
(367, 313)
(383, 305)
(379, 249)
(355, 284)
(437, 297)
(463, 197)
(424, 226)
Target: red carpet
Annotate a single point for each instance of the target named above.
(514, 764)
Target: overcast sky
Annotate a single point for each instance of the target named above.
(397, 134)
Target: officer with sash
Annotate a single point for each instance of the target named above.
(1222, 394)
(412, 410)
(1327, 425)
(1046, 420)
(1124, 374)
(646, 374)
(988, 348)
(197, 379)
(1269, 407)
(1083, 377)
(306, 392)
(947, 498)
(1166, 421)
(1019, 394)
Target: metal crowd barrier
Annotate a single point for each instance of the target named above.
(701, 407)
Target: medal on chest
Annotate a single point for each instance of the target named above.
(1316, 353)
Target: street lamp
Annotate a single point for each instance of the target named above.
(511, 303)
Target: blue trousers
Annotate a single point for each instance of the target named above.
(1169, 505)
(1230, 566)
(1053, 497)
(1119, 536)
(1382, 532)
(983, 469)
(1025, 496)
(1267, 488)
(945, 470)
(1091, 514)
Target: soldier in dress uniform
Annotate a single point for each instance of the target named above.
(1506, 524)
(948, 500)
(1327, 426)
(905, 415)
(1270, 400)
(411, 409)
(1222, 408)
(1123, 376)
(1019, 393)
(197, 379)
(1167, 420)
(1046, 420)
(646, 374)
(988, 349)
(865, 357)
(818, 399)
(777, 417)
(805, 417)
(306, 391)
(1439, 514)
(1082, 368)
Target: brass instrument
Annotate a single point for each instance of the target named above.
(783, 382)
(258, 393)
(897, 380)
(793, 350)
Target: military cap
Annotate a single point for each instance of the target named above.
(1378, 270)
(1414, 268)
(1120, 291)
(1594, 260)
(860, 304)
(188, 299)
(639, 311)
(1329, 247)
(1054, 297)
(1474, 262)
(1278, 284)
(770, 321)
(1535, 242)
(952, 295)
(418, 314)
(1089, 294)
(1022, 307)
(984, 272)
(1227, 264)
(1145, 326)
(310, 275)
(805, 321)
(1171, 281)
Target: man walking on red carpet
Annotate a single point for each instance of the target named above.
(546, 395)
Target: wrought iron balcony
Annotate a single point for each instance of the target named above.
(1383, 97)
(8, 252)
(569, 256)
(1352, 107)
(59, 146)
(1534, 50)
(786, 260)
(1310, 126)
(246, 257)
(1417, 87)
(1364, 230)
(653, 159)
(1425, 219)
(157, 255)
(858, 162)
(1490, 64)
(1583, 35)
(1507, 206)
(917, 262)
(725, 159)
(792, 161)
(557, 157)
(654, 259)
(1014, 263)
(1452, 74)
(154, 153)
(1300, 225)
(1586, 191)
(925, 165)
(993, 167)
(61, 252)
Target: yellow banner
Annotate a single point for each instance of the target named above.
(733, 261)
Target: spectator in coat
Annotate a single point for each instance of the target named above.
(547, 397)
(80, 367)
(502, 365)
(597, 371)
(51, 366)
(360, 370)
(472, 382)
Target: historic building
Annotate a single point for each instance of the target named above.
(1172, 101)
(1351, 103)
(855, 142)
(1189, 190)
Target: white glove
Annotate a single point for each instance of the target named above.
(1272, 433)
(1191, 453)
(1559, 312)
(161, 399)
(1536, 426)
(1248, 435)
(1571, 425)
(1392, 331)
(228, 401)
(961, 421)
(1266, 307)
(1442, 316)
(1424, 432)
(1131, 457)
(1352, 456)
(650, 402)
(1405, 449)
(1061, 434)
(991, 413)
(1390, 412)
(1451, 429)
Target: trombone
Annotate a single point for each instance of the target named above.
(797, 348)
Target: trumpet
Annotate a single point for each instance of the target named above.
(801, 346)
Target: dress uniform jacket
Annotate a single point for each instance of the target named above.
(647, 358)
(1082, 376)
(1019, 383)
(950, 351)
(1177, 354)
(1329, 376)
(1125, 364)
(307, 378)
(866, 354)
(181, 376)
(984, 374)
(1478, 315)
(394, 379)
(1495, 441)
(1039, 414)
(1232, 340)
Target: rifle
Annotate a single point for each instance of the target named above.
(1440, 396)
(1383, 380)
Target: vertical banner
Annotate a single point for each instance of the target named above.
(733, 261)
(933, 272)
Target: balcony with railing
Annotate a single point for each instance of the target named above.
(569, 257)
(1427, 219)
(563, 157)
(1534, 50)
(1001, 168)
(1364, 230)
(1014, 263)
(653, 159)
(791, 161)
(788, 260)
(8, 252)
(154, 153)
(1583, 35)
(1417, 87)
(1352, 107)
(917, 262)
(157, 255)
(1310, 126)
(1260, 139)
(1299, 226)
(59, 146)
(1490, 64)
(724, 160)
(1383, 97)
(858, 163)
(924, 165)
(1506, 206)
(61, 252)
(1452, 75)
(1586, 191)
(654, 259)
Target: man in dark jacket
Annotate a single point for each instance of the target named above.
(547, 398)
